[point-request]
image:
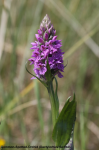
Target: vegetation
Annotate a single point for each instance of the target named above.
(25, 116)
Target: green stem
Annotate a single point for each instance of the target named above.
(54, 102)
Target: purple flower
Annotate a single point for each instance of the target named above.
(47, 51)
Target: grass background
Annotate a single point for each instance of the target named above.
(25, 114)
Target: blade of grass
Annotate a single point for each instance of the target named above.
(15, 35)
(74, 23)
(3, 26)
(27, 53)
(31, 37)
(25, 144)
(39, 107)
(80, 42)
(15, 100)
(94, 128)
(83, 62)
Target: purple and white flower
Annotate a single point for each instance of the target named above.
(47, 47)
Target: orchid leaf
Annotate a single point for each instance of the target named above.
(65, 122)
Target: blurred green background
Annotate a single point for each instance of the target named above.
(25, 115)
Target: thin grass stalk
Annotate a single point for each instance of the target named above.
(15, 35)
(31, 37)
(82, 71)
(3, 25)
(39, 106)
(76, 26)
(74, 23)
(16, 99)
(80, 42)
(25, 145)
(22, 126)
(82, 129)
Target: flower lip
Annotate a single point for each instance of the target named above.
(39, 32)
(46, 36)
(39, 38)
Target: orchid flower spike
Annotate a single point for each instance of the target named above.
(47, 52)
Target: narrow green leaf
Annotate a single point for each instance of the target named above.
(64, 124)
(34, 75)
